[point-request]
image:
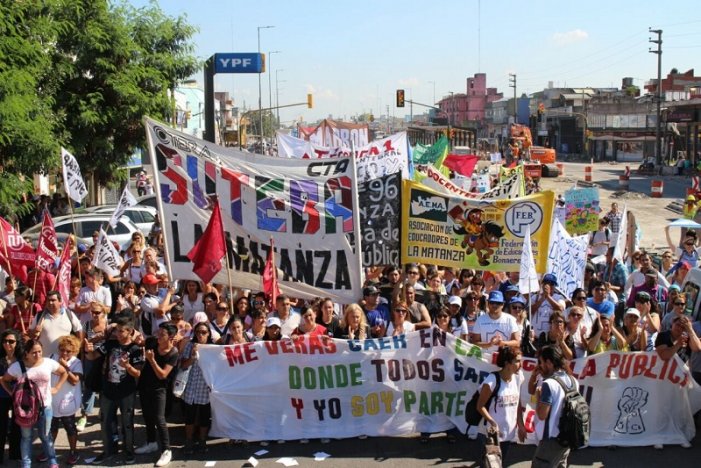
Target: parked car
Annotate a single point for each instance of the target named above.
(85, 225)
(142, 216)
(147, 200)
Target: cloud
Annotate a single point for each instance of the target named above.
(570, 37)
(409, 82)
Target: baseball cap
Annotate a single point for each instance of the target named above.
(273, 322)
(675, 287)
(550, 278)
(455, 300)
(82, 248)
(149, 279)
(370, 291)
(496, 296)
(633, 311)
(512, 288)
(518, 300)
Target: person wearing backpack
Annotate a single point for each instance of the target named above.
(551, 401)
(32, 398)
(499, 401)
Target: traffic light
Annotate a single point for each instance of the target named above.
(400, 98)
(188, 114)
(310, 101)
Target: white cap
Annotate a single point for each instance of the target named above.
(273, 321)
(455, 300)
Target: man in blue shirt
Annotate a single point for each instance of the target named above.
(377, 314)
(598, 301)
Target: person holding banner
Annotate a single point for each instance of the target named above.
(606, 337)
(557, 336)
(197, 409)
(505, 412)
(547, 302)
(354, 325)
(23, 312)
(327, 318)
(308, 325)
(377, 314)
(399, 325)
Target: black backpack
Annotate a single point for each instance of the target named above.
(474, 417)
(575, 420)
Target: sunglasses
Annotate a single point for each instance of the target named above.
(680, 303)
(223, 308)
(576, 315)
(413, 272)
(558, 321)
(203, 332)
(581, 298)
(9, 341)
(517, 307)
(401, 311)
(442, 316)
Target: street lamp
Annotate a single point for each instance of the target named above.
(260, 103)
(270, 79)
(277, 92)
(452, 109)
(433, 103)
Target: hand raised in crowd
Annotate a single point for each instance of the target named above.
(149, 355)
(124, 360)
(496, 340)
(88, 346)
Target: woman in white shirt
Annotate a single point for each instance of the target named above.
(399, 324)
(503, 411)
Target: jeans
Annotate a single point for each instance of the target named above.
(108, 416)
(42, 425)
(88, 395)
(153, 407)
(550, 454)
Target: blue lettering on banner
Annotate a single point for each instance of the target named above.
(241, 62)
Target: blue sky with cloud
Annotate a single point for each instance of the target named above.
(353, 55)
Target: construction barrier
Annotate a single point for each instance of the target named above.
(623, 182)
(587, 173)
(560, 169)
(657, 188)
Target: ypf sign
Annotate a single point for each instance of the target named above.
(239, 62)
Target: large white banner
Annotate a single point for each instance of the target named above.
(308, 206)
(567, 258)
(431, 177)
(316, 387)
(376, 159)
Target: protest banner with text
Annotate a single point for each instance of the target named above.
(309, 206)
(466, 233)
(316, 386)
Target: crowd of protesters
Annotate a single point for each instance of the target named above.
(128, 336)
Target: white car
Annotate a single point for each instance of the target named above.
(85, 225)
(142, 216)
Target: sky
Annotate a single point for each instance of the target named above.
(353, 55)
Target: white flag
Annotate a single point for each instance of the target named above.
(106, 257)
(72, 179)
(125, 201)
(622, 237)
(528, 277)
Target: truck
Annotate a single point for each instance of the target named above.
(542, 159)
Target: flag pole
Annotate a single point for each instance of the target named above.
(75, 233)
(226, 257)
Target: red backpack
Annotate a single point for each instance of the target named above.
(26, 400)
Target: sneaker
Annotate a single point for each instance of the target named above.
(658, 446)
(82, 422)
(129, 459)
(686, 445)
(303, 441)
(102, 458)
(42, 457)
(325, 440)
(148, 447)
(264, 443)
(202, 446)
(281, 441)
(72, 458)
(166, 456)
(362, 437)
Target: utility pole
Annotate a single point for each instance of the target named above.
(658, 98)
(270, 84)
(260, 99)
(512, 84)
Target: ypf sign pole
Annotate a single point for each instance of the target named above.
(242, 62)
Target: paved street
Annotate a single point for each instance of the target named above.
(404, 452)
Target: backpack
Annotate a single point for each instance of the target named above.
(474, 417)
(26, 400)
(575, 420)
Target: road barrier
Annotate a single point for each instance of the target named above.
(587, 173)
(560, 169)
(657, 189)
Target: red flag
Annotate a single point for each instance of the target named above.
(14, 251)
(270, 284)
(63, 278)
(47, 248)
(463, 164)
(209, 250)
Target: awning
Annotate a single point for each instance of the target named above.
(685, 223)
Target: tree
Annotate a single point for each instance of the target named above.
(270, 123)
(118, 65)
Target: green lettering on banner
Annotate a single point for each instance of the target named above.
(325, 377)
(356, 377)
(341, 376)
(295, 378)
(463, 348)
(409, 400)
